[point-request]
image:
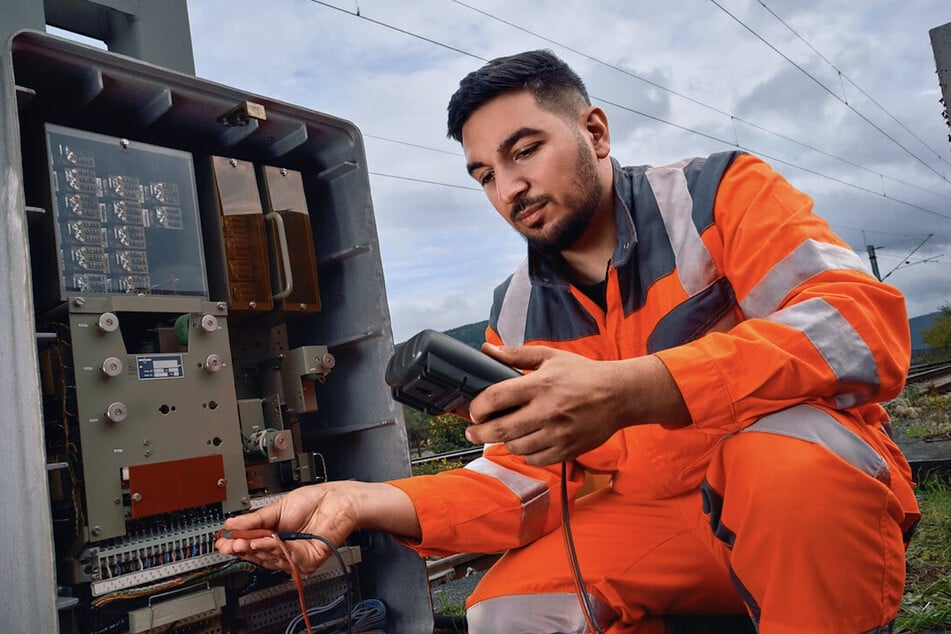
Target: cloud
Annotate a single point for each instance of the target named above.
(707, 83)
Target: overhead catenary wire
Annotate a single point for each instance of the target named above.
(829, 90)
(357, 14)
(843, 76)
(424, 180)
(734, 118)
(777, 159)
(641, 113)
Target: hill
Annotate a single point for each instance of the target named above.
(917, 324)
(470, 334)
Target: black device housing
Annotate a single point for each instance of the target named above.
(435, 373)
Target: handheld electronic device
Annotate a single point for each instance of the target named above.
(435, 373)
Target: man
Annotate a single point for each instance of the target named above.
(695, 332)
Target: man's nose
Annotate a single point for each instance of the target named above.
(510, 187)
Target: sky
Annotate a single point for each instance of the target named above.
(841, 97)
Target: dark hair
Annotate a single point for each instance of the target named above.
(554, 85)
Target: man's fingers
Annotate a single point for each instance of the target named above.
(515, 430)
(496, 399)
(480, 434)
(533, 444)
(497, 430)
(543, 458)
(266, 517)
(522, 357)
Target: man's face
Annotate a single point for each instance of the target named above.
(536, 167)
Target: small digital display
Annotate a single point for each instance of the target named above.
(126, 216)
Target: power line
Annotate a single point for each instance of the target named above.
(905, 259)
(692, 100)
(774, 158)
(828, 90)
(357, 14)
(849, 79)
(629, 109)
(416, 145)
(884, 233)
(427, 182)
(845, 160)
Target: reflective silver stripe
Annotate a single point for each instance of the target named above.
(533, 613)
(532, 494)
(815, 426)
(808, 260)
(695, 266)
(839, 344)
(513, 315)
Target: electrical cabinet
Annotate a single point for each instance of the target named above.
(211, 328)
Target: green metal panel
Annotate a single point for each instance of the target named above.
(356, 427)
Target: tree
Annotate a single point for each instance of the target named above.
(448, 433)
(417, 429)
(939, 335)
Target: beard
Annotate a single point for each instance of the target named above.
(582, 203)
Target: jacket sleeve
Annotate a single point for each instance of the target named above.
(814, 325)
(494, 503)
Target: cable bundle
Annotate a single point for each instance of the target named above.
(367, 617)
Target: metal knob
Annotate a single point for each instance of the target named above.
(112, 366)
(108, 322)
(213, 363)
(116, 412)
(209, 323)
(280, 441)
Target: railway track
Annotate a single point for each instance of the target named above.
(937, 375)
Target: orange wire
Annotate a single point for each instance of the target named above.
(258, 533)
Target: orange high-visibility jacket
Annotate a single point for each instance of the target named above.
(722, 270)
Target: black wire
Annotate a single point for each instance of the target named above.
(829, 90)
(572, 555)
(849, 79)
(287, 537)
(665, 121)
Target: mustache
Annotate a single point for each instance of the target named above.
(524, 204)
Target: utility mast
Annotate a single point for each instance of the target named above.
(941, 44)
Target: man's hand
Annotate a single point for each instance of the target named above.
(570, 404)
(332, 510)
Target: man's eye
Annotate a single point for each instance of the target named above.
(486, 178)
(526, 152)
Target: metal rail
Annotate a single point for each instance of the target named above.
(471, 453)
(929, 372)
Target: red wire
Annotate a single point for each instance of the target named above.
(258, 533)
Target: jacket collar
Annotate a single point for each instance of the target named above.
(550, 270)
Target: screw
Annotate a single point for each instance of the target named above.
(117, 501)
(246, 500)
(136, 497)
(124, 143)
(148, 453)
(97, 530)
(233, 162)
(146, 442)
(221, 305)
(283, 171)
(79, 302)
(252, 305)
(222, 482)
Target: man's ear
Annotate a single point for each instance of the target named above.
(595, 124)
